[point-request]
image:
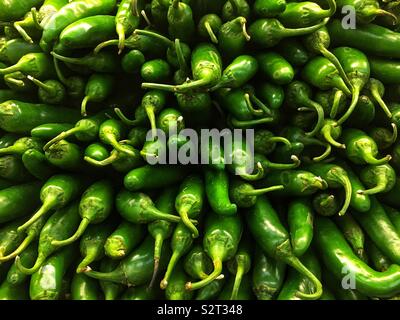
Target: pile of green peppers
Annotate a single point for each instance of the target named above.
(85, 215)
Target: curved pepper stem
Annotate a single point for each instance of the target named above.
(249, 98)
(210, 32)
(40, 84)
(254, 176)
(250, 107)
(345, 182)
(84, 103)
(370, 159)
(184, 214)
(35, 18)
(171, 265)
(47, 205)
(158, 243)
(247, 123)
(176, 88)
(81, 229)
(296, 264)
(62, 136)
(336, 103)
(155, 35)
(124, 119)
(375, 88)
(180, 56)
(21, 30)
(258, 192)
(24, 244)
(211, 277)
(320, 118)
(283, 166)
(353, 104)
(38, 263)
(288, 32)
(105, 44)
(326, 132)
(116, 276)
(146, 18)
(119, 28)
(111, 159)
(151, 115)
(118, 146)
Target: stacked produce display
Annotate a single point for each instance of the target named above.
(96, 96)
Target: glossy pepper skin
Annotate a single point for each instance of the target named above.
(300, 220)
(69, 14)
(268, 275)
(221, 239)
(135, 269)
(274, 240)
(336, 253)
(275, 67)
(16, 201)
(21, 117)
(14, 10)
(84, 288)
(46, 283)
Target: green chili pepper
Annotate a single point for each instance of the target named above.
(206, 70)
(50, 130)
(84, 288)
(378, 178)
(132, 61)
(363, 114)
(98, 88)
(85, 130)
(110, 290)
(28, 256)
(361, 149)
(385, 70)
(180, 21)
(266, 33)
(149, 177)
(232, 37)
(21, 117)
(15, 49)
(244, 195)
(245, 290)
(217, 191)
(134, 270)
(57, 192)
(294, 52)
(21, 145)
(95, 206)
(59, 225)
(295, 182)
(70, 13)
(337, 254)
(47, 282)
(239, 266)
(235, 8)
(380, 229)
(176, 285)
(37, 165)
(10, 238)
(366, 11)
(161, 230)
(275, 67)
(299, 94)
(123, 240)
(383, 137)
(197, 264)
(268, 275)
(17, 200)
(297, 282)
(379, 261)
(156, 70)
(353, 234)
(272, 94)
(327, 203)
(13, 169)
(336, 177)
(221, 240)
(65, 155)
(209, 26)
(300, 220)
(125, 21)
(139, 208)
(394, 216)
(274, 240)
(9, 291)
(268, 9)
(13, 10)
(75, 85)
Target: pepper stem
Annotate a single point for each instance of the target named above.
(67, 59)
(336, 103)
(35, 19)
(260, 104)
(91, 255)
(287, 32)
(40, 84)
(81, 229)
(283, 166)
(85, 100)
(254, 176)
(111, 159)
(155, 35)
(238, 280)
(21, 31)
(345, 182)
(124, 119)
(279, 139)
(353, 104)
(119, 28)
(247, 123)
(163, 216)
(24, 244)
(296, 263)
(117, 146)
(394, 134)
(171, 265)
(320, 118)
(210, 32)
(379, 100)
(48, 204)
(105, 44)
(116, 276)
(62, 136)
(370, 159)
(184, 214)
(150, 111)
(38, 263)
(181, 58)
(158, 243)
(250, 106)
(176, 88)
(243, 22)
(211, 277)
(326, 132)
(257, 192)
(332, 58)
